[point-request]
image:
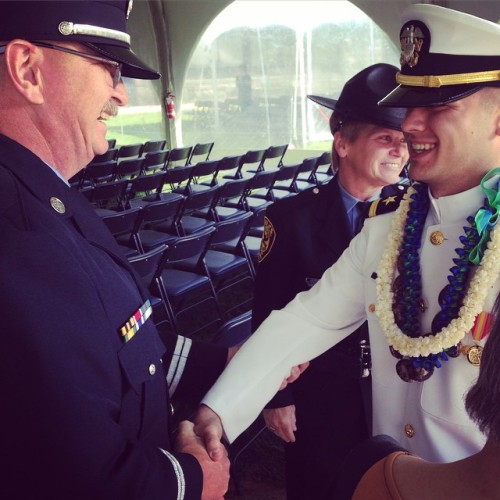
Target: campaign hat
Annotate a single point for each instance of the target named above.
(446, 55)
(100, 25)
(360, 95)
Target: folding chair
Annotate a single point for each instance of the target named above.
(129, 151)
(157, 223)
(104, 171)
(178, 157)
(107, 195)
(305, 174)
(229, 191)
(226, 259)
(144, 189)
(323, 172)
(121, 226)
(251, 159)
(183, 280)
(273, 158)
(284, 182)
(147, 266)
(196, 201)
(200, 152)
(155, 161)
(128, 169)
(226, 164)
(202, 175)
(110, 154)
(152, 146)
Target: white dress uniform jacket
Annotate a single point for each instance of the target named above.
(428, 417)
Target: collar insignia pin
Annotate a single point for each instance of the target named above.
(57, 205)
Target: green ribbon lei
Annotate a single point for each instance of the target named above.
(486, 217)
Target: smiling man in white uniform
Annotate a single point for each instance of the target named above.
(425, 277)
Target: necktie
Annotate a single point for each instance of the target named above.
(361, 213)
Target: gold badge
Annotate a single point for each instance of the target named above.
(473, 353)
(437, 238)
(268, 238)
(411, 40)
(57, 205)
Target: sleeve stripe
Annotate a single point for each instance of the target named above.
(178, 363)
(179, 474)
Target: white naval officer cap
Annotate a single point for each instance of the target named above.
(446, 55)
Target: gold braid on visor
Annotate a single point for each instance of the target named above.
(438, 81)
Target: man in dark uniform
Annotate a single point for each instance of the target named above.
(303, 236)
(83, 373)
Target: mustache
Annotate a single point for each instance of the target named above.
(110, 108)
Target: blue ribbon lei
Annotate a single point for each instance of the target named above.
(486, 217)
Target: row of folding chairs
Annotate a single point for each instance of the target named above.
(186, 271)
(247, 192)
(186, 154)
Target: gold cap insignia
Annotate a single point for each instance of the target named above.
(412, 40)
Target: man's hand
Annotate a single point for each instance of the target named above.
(295, 373)
(282, 422)
(215, 473)
(208, 427)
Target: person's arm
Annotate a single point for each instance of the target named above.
(312, 323)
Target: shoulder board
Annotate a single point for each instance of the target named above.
(385, 205)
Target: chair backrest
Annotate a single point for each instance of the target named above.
(204, 169)
(129, 151)
(287, 173)
(128, 169)
(110, 154)
(152, 146)
(227, 191)
(235, 331)
(192, 247)
(198, 200)
(251, 161)
(100, 172)
(307, 166)
(147, 265)
(231, 230)
(112, 143)
(109, 193)
(121, 222)
(146, 184)
(155, 160)
(273, 156)
(200, 152)
(226, 164)
(178, 156)
(160, 211)
(179, 177)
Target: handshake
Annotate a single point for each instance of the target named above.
(202, 438)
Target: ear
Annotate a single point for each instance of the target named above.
(340, 144)
(23, 62)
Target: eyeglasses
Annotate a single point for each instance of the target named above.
(116, 72)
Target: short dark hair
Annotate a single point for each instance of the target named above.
(483, 399)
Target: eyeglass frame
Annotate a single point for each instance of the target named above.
(117, 75)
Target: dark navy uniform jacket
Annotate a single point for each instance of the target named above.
(84, 413)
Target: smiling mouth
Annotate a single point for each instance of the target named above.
(421, 148)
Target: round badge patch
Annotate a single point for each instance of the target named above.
(268, 238)
(57, 205)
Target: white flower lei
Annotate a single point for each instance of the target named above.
(484, 277)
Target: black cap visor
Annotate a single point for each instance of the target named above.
(133, 67)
